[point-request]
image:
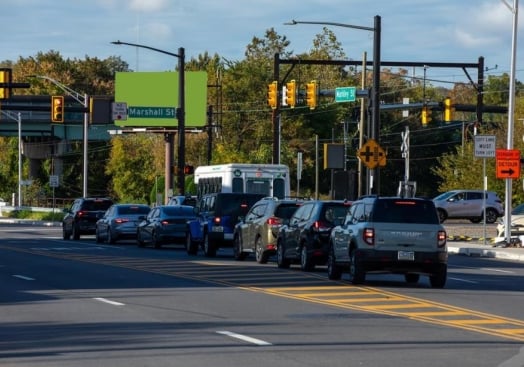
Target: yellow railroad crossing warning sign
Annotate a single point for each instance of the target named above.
(372, 155)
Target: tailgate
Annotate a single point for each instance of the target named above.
(396, 236)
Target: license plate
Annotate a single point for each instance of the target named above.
(406, 255)
(217, 229)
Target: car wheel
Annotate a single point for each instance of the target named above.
(155, 241)
(491, 215)
(110, 238)
(334, 271)
(282, 262)
(237, 249)
(65, 235)
(260, 253)
(209, 247)
(76, 232)
(357, 274)
(191, 246)
(442, 216)
(438, 279)
(139, 240)
(306, 262)
(412, 278)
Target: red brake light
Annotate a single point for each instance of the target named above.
(321, 226)
(217, 220)
(164, 222)
(441, 236)
(121, 220)
(274, 221)
(369, 236)
(81, 213)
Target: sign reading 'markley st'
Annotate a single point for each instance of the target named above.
(151, 112)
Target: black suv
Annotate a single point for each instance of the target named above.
(82, 216)
(390, 234)
(305, 238)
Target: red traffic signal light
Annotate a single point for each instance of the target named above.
(57, 109)
(188, 170)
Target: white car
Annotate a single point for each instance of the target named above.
(2, 202)
(517, 222)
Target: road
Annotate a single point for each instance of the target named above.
(80, 303)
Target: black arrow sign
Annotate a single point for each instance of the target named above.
(509, 172)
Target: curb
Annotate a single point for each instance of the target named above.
(42, 223)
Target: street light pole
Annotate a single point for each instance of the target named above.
(84, 101)
(180, 115)
(374, 129)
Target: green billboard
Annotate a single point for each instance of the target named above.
(152, 98)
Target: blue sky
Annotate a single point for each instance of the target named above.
(412, 30)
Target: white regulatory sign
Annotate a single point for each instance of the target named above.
(485, 146)
(53, 181)
(119, 110)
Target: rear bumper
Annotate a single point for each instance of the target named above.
(424, 262)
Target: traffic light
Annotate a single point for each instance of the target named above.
(448, 110)
(5, 75)
(291, 93)
(272, 94)
(57, 108)
(189, 170)
(426, 115)
(311, 94)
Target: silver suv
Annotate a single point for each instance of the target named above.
(389, 234)
(468, 204)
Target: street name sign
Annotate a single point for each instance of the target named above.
(508, 163)
(485, 146)
(151, 112)
(345, 94)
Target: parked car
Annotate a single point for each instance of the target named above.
(120, 222)
(217, 215)
(305, 239)
(164, 224)
(468, 204)
(395, 235)
(81, 217)
(517, 222)
(190, 200)
(257, 232)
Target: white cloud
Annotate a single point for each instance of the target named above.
(149, 5)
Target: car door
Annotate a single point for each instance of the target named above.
(341, 235)
(251, 224)
(147, 228)
(104, 222)
(244, 228)
(296, 228)
(474, 205)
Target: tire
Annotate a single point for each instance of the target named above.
(139, 240)
(209, 247)
(237, 249)
(110, 238)
(442, 216)
(260, 254)
(306, 262)
(155, 241)
(191, 246)
(76, 232)
(357, 275)
(438, 279)
(412, 278)
(65, 234)
(491, 215)
(282, 262)
(334, 271)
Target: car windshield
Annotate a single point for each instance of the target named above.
(405, 211)
(96, 205)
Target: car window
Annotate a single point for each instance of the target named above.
(179, 210)
(474, 196)
(285, 211)
(133, 210)
(333, 212)
(96, 205)
(405, 211)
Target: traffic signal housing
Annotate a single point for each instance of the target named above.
(426, 115)
(272, 94)
(311, 94)
(57, 109)
(291, 93)
(448, 110)
(189, 170)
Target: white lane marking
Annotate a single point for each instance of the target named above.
(114, 303)
(464, 280)
(499, 270)
(22, 277)
(244, 338)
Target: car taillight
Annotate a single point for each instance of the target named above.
(121, 220)
(81, 213)
(369, 236)
(320, 226)
(441, 236)
(217, 220)
(164, 222)
(274, 221)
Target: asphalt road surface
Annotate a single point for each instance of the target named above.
(79, 303)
